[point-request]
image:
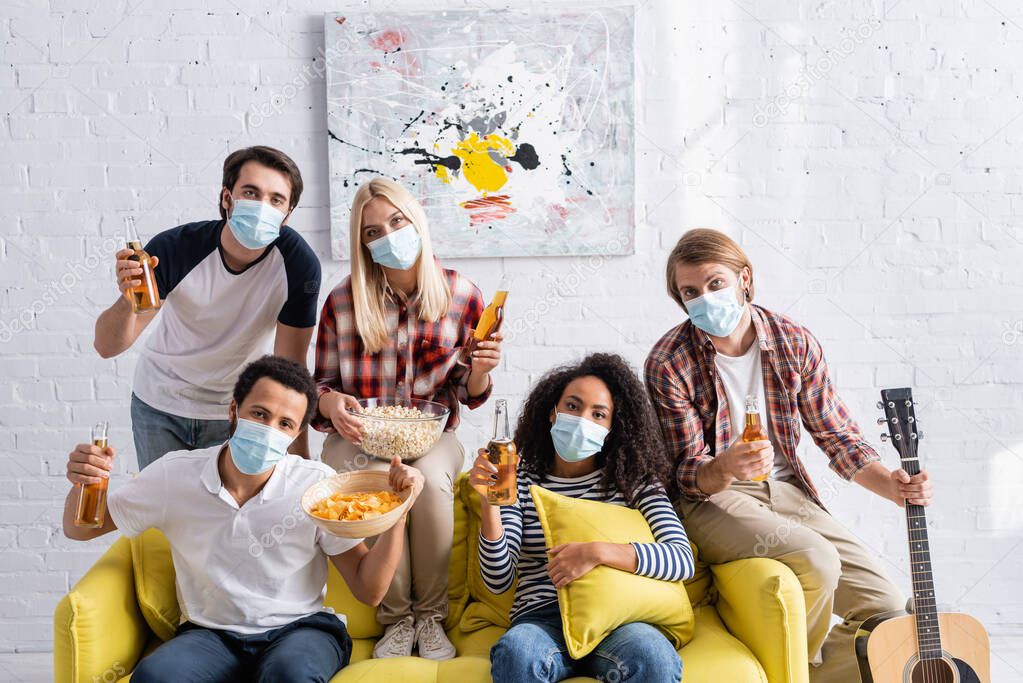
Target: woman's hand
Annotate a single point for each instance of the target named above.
(335, 407)
(89, 464)
(487, 355)
(483, 475)
(569, 561)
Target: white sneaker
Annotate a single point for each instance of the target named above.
(397, 640)
(433, 642)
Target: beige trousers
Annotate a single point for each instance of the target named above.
(777, 520)
(420, 584)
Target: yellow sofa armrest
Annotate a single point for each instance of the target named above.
(98, 631)
(761, 603)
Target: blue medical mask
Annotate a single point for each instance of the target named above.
(255, 448)
(398, 250)
(255, 224)
(576, 438)
(716, 313)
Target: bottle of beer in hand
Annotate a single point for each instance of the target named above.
(754, 430)
(502, 454)
(92, 501)
(491, 318)
(145, 296)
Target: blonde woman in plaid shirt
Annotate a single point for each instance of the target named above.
(398, 327)
(698, 376)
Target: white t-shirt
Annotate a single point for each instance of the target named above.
(744, 375)
(214, 321)
(248, 569)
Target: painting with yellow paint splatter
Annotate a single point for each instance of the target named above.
(514, 128)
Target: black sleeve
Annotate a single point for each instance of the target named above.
(303, 272)
(180, 250)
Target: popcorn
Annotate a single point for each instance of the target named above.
(404, 431)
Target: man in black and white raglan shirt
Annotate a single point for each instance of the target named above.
(228, 288)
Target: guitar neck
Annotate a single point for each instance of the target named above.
(925, 609)
(905, 436)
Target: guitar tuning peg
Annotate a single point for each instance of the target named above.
(880, 405)
(881, 421)
(884, 437)
(919, 434)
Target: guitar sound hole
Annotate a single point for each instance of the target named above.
(932, 671)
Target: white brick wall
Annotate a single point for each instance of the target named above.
(868, 154)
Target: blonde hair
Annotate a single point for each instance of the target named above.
(703, 245)
(368, 279)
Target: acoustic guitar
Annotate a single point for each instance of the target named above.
(925, 646)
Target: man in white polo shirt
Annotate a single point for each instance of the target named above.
(251, 600)
(230, 287)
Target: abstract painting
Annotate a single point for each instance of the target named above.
(514, 128)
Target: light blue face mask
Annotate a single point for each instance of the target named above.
(398, 250)
(255, 448)
(254, 224)
(716, 313)
(576, 438)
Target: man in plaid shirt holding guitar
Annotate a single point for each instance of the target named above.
(748, 499)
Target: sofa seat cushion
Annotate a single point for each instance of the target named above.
(416, 670)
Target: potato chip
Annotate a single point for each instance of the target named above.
(354, 507)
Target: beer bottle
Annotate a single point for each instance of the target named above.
(145, 296)
(491, 318)
(754, 430)
(92, 500)
(502, 454)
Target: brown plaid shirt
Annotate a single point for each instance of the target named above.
(422, 358)
(691, 403)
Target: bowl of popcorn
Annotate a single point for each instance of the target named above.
(407, 429)
(355, 504)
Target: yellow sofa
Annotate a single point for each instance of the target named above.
(750, 618)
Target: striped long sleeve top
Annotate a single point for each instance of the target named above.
(523, 550)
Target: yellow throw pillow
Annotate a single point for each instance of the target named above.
(483, 608)
(597, 603)
(154, 582)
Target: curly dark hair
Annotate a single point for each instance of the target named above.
(633, 456)
(283, 371)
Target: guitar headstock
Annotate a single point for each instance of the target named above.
(903, 429)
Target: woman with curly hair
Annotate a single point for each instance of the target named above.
(586, 431)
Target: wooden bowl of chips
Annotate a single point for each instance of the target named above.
(355, 497)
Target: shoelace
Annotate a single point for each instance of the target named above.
(431, 634)
(402, 634)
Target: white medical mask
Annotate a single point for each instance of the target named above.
(398, 250)
(255, 447)
(576, 438)
(716, 313)
(254, 224)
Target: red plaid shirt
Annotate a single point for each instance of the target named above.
(691, 403)
(421, 358)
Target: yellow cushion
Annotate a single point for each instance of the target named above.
(97, 628)
(154, 582)
(701, 587)
(594, 605)
(485, 608)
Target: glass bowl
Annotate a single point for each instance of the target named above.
(388, 432)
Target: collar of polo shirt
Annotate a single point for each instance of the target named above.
(274, 487)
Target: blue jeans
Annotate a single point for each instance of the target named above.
(533, 649)
(313, 648)
(158, 433)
